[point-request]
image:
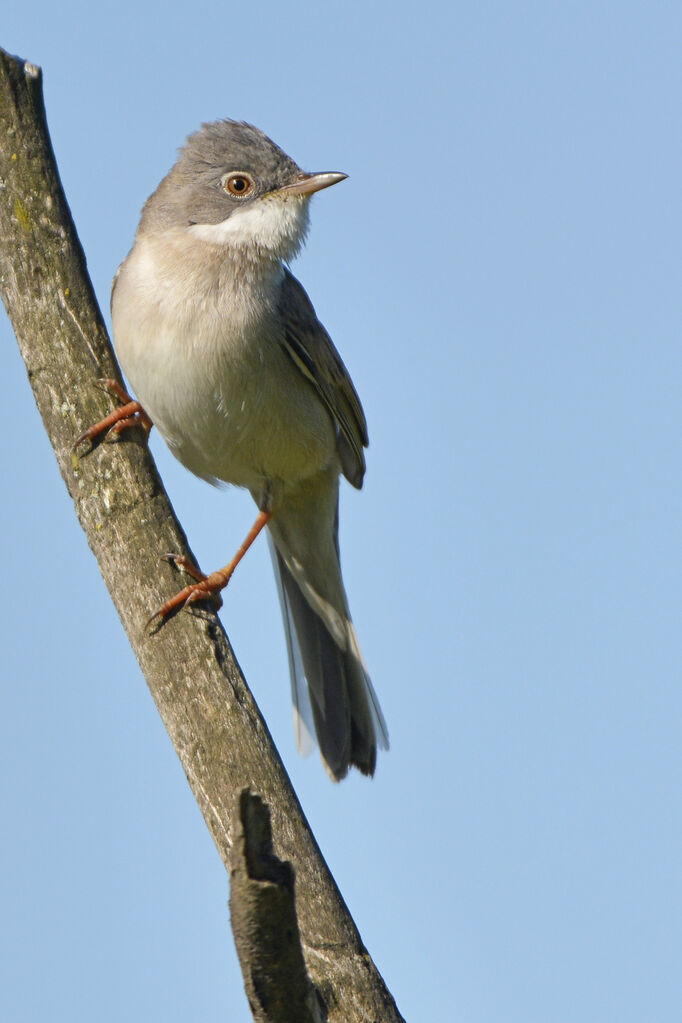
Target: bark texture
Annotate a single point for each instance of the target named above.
(264, 922)
(206, 706)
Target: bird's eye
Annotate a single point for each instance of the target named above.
(237, 183)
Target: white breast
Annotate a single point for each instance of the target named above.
(198, 339)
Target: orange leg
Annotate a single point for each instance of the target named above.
(208, 586)
(130, 413)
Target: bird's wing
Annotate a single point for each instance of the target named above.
(310, 347)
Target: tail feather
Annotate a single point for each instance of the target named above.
(304, 726)
(330, 684)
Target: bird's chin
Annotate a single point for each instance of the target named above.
(274, 225)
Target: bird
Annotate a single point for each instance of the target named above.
(227, 358)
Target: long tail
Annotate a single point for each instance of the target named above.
(330, 685)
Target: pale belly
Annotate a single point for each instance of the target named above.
(235, 410)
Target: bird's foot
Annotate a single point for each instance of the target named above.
(129, 413)
(206, 587)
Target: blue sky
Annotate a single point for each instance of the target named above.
(501, 273)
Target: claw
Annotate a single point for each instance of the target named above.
(182, 562)
(130, 413)
(113, 386)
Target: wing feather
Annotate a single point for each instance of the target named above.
(312, 350)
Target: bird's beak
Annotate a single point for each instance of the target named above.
(306, 184)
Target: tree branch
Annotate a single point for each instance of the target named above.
(206, 706)
(264, 923)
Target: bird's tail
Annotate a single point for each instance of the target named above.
(331, 688)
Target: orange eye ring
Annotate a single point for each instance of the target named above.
(238, 184)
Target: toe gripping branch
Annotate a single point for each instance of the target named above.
(206, 587)
(129, 413)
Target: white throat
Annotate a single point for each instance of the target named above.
(271, 226)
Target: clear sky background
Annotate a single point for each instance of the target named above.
(501, 273)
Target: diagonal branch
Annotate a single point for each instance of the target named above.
(206, 706)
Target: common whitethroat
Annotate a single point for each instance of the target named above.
(228, 360)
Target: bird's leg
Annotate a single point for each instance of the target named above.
(208, 586)
(130, 413)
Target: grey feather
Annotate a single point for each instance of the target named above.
(344, 708)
